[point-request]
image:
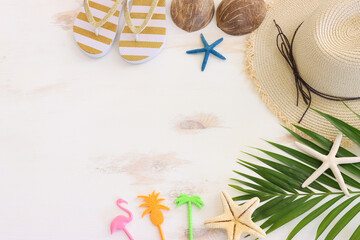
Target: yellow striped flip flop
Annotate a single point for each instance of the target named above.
(144, 33)
(96, 25)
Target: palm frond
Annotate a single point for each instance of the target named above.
(278, 184)
(351, 132)
(314, 214)
(351, 110)
(333, 214)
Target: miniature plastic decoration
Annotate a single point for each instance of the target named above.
(329, 161)
(207, 49)
(154, 209)
(119, 223)
(236, 220)
(196, 200)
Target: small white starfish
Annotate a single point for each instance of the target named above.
(329, 161)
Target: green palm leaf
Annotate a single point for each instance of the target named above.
(266, 184)
(333, 214)
(260, 212)
(278, 185)
(351, 132)
(356, 234)
(279, 215)
(288, 216)
(271, 210)
(351, 110)
(343, 222)
(312, 216)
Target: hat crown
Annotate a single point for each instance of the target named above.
(327, 48)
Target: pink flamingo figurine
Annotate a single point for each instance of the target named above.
(119, 223)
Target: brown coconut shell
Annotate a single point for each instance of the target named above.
(192, 15)
(239, 17)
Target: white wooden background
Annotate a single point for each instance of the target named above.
(78, 133)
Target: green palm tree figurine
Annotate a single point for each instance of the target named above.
(196, 200)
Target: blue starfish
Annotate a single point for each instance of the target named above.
(207, 49)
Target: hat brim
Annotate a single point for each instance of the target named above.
(274, 78)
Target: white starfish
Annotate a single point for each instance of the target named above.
(329, 161)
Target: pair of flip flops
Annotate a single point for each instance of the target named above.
(141, 39)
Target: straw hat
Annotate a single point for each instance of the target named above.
(326, 50)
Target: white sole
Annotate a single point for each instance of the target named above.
(96, 56)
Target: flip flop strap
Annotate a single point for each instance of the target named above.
(139, 29)
(100, 23)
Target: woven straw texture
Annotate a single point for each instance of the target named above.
(334, 50)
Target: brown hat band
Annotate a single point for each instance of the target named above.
(303, 88)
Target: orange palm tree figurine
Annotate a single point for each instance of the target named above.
(154, 208)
